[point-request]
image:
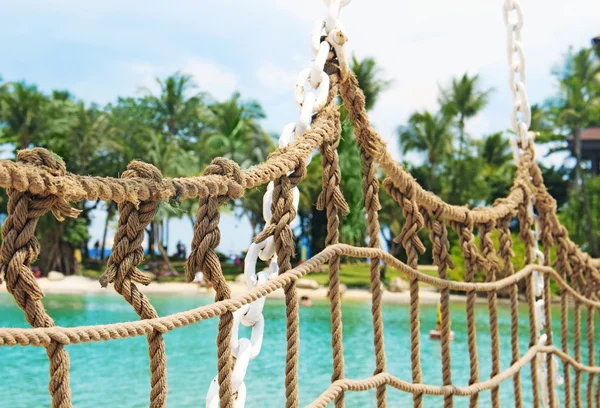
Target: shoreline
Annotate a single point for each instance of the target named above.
(79, 285)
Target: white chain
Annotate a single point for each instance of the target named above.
(311, 93)
(521, 111)
(521, 122)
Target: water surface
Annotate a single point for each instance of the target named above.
(115, 373)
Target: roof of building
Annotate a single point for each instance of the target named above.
(590, 134)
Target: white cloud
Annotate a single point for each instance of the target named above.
(276, 78)
(211, 77)
(206, 74)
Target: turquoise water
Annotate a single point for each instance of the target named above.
(116, 373)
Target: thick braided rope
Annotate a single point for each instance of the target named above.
(332, 200)
(470, 255)
(506, 253)
(438, 234)
(577, 340)
(20, 248)
(203, 257)
(590, 336)
(493, 265)
(564, 268)
(411, 242)
(547, 244)
(354, 100)
(526, 236)
(283, 214)
(369, 140)
(372, 206)
(127, 254)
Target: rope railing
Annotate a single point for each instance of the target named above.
(38, 183)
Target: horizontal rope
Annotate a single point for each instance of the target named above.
(26, 177)
(75, 335)
(340, 386)
(72, 187)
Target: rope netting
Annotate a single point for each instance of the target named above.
(38, 182)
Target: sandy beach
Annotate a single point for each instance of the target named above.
(78, 285)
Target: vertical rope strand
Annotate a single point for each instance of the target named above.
(284, 213)
(488, 252)
(121, 268)
(526, 236)
(506, 253)
(467, 247)
(438, 235)
(20, 249)
(203, 257)
(332, 200)
(372, 205)
(547, 243)
(564, 269)
(411, 242)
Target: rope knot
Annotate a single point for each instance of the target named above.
(141, 170)
(43, 158)
(45, 202)
(220, 166)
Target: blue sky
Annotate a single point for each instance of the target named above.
(99, 50)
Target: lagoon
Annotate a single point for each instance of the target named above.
(116, 373)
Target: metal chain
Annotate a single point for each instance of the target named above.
(310, 93)
(521, 122)
(521, 112)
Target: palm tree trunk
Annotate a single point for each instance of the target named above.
(581, 184)
(109, 211)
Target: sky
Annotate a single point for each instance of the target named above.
(102, 49)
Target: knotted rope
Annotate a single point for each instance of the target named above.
(438, 235)
(332, 201)
(506, 253)
(472, 260)
(203, 257)
(280, 227)
(370, 150)
(20, 248)
(127, 254)
(493, 266)
(409, 237)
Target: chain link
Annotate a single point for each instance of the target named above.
(521, 111)
(310, 93)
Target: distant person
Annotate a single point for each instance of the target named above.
(97, 250)
(180, 250)
(305, 301)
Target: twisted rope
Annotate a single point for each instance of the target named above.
(438, 235)
(127, 254)
(506, 253)
(411, 242)
(332, 200)
(203, 257)
(20, 248)
(493, 265)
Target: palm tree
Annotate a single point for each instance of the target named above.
(495, 150)
(576, 108)
(429, 133)
(236, 133)
(462, 100)
(22, 108)
(176, 105)
(369, 79)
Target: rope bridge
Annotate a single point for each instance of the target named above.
(37, 182)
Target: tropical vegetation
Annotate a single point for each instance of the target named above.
(180, 129)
